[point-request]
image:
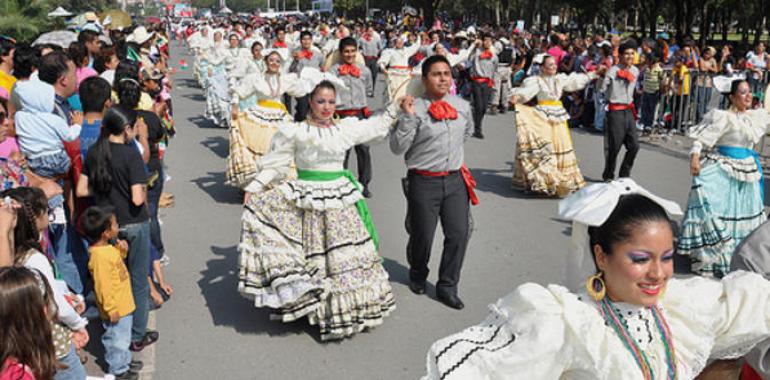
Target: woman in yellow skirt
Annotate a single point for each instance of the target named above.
(253, 127)
(545, 158)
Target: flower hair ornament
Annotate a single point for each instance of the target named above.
(591, 207)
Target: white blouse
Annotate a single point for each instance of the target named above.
(549, 333)
(730, 128)
(397, 57)
(551, 87)
(315, 148)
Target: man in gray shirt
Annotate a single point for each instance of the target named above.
(305, 56)
(370, 49)
(431, 133)
(618, 84)
(483, 68)
(351, 102)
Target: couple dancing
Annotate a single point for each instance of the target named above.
(308, 245)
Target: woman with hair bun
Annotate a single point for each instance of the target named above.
(629, 318)
(726, 199)
(308, 245)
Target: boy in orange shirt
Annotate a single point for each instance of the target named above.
(112, 285)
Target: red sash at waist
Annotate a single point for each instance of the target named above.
(470, 182)
(488, 81)
(623, 107)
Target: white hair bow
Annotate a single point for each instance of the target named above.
(590, 207)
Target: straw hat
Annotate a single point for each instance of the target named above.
(140, 35)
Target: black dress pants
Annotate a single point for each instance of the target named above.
(431, 199)
(620, 131)
(302, 108)
(480, 94)
(363, 159)
(371, 63)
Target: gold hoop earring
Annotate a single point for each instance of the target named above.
(595, 287)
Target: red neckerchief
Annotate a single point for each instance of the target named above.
(348, 69)
(625, 74)
(307, 54)
(486, 55)
(279, 44)
(441, 110)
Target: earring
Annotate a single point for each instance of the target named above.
(595, 286)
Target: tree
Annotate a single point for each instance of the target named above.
(24, 19)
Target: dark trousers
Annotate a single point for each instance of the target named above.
(364, 159)
(480, 93)
(620, 131)
(371, 63)
(302, 108)
(428, 199)
(153, 199)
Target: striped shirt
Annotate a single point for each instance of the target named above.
(652, 78)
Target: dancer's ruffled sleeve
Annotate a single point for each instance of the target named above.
(253, 84)
(575, 81)
(718, 319)
(299, 85)
(276, 164)
(524, 337)
(528, 89)
(706, 134)
(356, 132)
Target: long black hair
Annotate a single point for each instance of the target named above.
(26, 236)
(99, 157)
(632, 211)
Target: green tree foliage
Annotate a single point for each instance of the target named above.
(24, 19)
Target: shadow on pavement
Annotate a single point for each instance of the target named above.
(217, 144)
(213, 184)
(219, 287)
(202, 122)
(196, 97)
(490, 181)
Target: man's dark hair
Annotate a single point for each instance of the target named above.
(87, 36)
(628, 44)
(432, 60)
(101, 60)
(53, 66)
(305, 33)
(6, 45)
(94, 92)
(25, 59)
(347, 41)
(95, 221)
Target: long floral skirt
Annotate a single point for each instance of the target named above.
(545, 158)
(305, 252)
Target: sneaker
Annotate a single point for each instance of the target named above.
(165, 260)
(135, 366)
(149, 338)
(128, 375)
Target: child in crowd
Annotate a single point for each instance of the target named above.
(26, 306)
(113, 289)
(653, 76)
(41, 133)
(69, 331)
(96, 97)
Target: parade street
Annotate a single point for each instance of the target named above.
(210, 331)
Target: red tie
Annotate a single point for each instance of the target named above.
(441, 110)
(348, 69)
(279, 44)
(486, 55)
(307, 54)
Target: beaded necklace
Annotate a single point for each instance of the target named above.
(609, 315)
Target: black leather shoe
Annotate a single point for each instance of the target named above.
(417, 287)
(366, 193)
(451, 300)
(478, 135)
(149, 338)
(128, 375)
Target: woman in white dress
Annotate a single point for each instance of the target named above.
(394, 62)
(217, 89)
(632, 320)
(726, 201)
(308, 246)
(253, 127)
(545, 157)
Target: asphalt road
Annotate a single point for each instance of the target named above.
(209, 331)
